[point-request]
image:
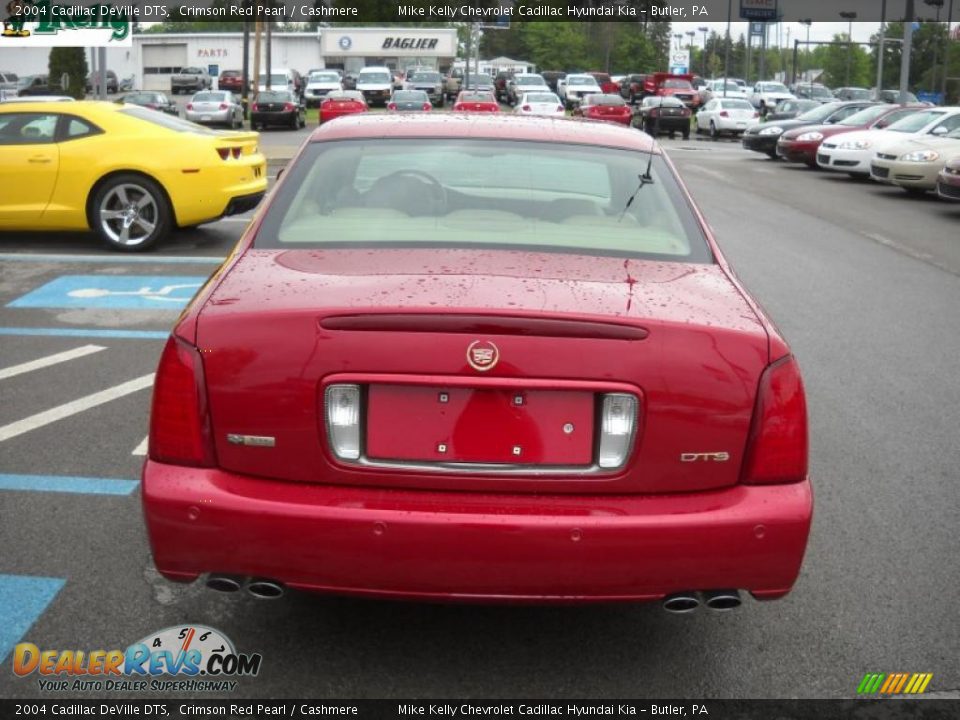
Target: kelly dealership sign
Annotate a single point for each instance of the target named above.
(40, 23)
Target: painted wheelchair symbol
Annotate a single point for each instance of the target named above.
(162, 295)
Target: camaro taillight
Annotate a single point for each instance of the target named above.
(777, 446)
(618, 425)
(179, 420)
(342, 413)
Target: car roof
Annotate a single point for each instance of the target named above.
(494, 127)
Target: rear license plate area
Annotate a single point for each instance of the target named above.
(480, 425)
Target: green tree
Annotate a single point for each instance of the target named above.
(73, 62)
(556, 45)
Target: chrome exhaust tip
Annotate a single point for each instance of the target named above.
(225, 583)
(265, 589)
(680, 603)
(722, 600)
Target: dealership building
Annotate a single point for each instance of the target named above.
(154, 58)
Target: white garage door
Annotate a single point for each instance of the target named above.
(160, 62)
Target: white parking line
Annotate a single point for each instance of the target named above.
(49, 360)
(74, 407)
(141, 449)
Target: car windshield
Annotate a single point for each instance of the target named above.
(735, 105)
(542, 98)
(458, 192)
(915, 122)
(275, 79)
(774, 88)
(581, 81)
(410, 96)
(662, 101)
(273, 97)
(818, 113)
(858, 93)
(865, 116)
(374, 77)
(163, 120)
(427, 77)
(324, 77)
(210, 97)
(729, 86)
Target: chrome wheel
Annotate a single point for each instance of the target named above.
(128, 215)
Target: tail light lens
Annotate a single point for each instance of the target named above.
(288, 107)
(618, 425)
(756, 115)
(391, 106)
(526, 108)
(254, 107)
(180, 431)
(223, 106)
(342, 411)
(777, 446)
(685, 112)
(235, 152)
(559, 108)
(427, 106)
(224, 153)
(457, 107)
(189, 106)
(724, 113)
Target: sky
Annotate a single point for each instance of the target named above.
(818, 31)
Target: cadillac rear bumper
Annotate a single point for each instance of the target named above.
(472, 546)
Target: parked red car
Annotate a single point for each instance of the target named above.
(611, 108)
(678, 86)
(471, 101)
(231, 80)
(605, 82)
(464, 357)
(800, 144)
(337, 103)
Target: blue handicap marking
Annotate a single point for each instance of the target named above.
(23, 599)
(139, 292)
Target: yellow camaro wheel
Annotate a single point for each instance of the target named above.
(130, 212)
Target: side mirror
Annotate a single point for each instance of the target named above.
(939, 130)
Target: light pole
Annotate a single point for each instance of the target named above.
(691, 34)
(938, 4)
(726, 49)
(881, 48)
(705, 30)
(946, 54)
(808, 22)
(678, 37)
(849, 16)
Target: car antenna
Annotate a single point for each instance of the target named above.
(645, 179)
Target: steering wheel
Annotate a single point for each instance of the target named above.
(438, 193)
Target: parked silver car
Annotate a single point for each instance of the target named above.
(215, 107)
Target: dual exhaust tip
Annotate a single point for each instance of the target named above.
(718, 600)
(260, 588)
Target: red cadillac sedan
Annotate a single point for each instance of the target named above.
(476, 101)
(479, 358)
(609, 108)
(800, 144)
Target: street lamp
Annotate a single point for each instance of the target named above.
(946, 54)
(704, 30)
(690, 34)
(808, 22)
(938, 4)
(678, 37)
(849, 16)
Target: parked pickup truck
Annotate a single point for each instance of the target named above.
(667, 85)
(766, 95)
(190, 80)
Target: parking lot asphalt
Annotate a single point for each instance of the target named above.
(864, 282)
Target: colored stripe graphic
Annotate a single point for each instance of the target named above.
(23, 600)
(66, 484)
(894, 683)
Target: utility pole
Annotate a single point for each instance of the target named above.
(881, 48)
(806, 48)
(905, 57)
(269, 24)
(849, 17)
(726, 52)
(938, 4)
(946, 54)
(245, 75)
(705, 70)
(257, 29)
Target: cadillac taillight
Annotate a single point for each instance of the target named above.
(427, 106)
(724, 113)
(180, 431)
(777, 445)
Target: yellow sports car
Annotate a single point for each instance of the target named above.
(129, 173)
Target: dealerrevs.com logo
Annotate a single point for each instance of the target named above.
(48, 23)
(198, 658)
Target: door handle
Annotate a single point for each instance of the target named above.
(39, 159)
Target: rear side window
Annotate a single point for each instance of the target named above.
(457, 192)
(27, 128)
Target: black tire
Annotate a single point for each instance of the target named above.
(772, 154)
(714, 133)
(150, 214)
(295, 122)
(302, 121)
(648, 128)
(686, 134)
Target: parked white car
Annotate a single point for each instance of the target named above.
(766, 95)
(576, 87)
(851, 152)
(539, 103)
(726, 115)
(376, 85)
(319, 83)
(715, 89)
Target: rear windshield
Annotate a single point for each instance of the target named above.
(324, 77)
(542, 98)
(374, 77)
(606, 100)
(209, 97)
(476, 97)
(581, 81)
(818, 113)
(409, 96)
(531, 80)
(273, 97)
(456, 192)
(662, 101)
(677, 84)
(427, 77)
(773, 88)
(163, 120)
(736, 105)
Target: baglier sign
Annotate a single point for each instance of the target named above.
(758, 9)
(409, 43)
